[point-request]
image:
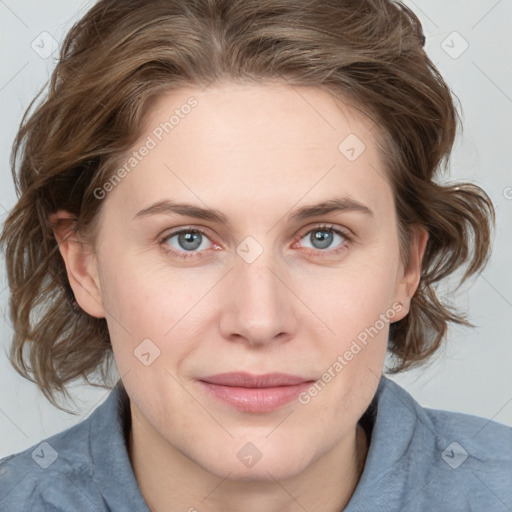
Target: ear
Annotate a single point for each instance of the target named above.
(81, 263)
(409, 276)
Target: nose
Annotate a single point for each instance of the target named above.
(257, 306)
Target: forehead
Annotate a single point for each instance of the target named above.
(274, 112)
(255, 144)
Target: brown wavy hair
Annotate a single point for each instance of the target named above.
(123, 54)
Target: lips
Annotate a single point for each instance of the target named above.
(255, 393)
(247, 380)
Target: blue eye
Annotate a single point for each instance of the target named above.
(323, 237)
(187, 241)
(191, 242)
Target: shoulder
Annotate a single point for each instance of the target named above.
(55, 474)
(461, 436)
(448, 459)
(484, 438)
(476, 451)
(39, 475)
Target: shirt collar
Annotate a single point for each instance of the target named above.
(113, 471)
(399, 447)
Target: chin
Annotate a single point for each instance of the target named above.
(266, 465)
(260, 472)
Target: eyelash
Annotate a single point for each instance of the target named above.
(323, 227)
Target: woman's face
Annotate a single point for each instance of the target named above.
(268, 284)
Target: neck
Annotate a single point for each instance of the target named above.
(170, 481)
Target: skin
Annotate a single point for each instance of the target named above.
(257, 152)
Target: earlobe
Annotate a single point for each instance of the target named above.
(81, 264)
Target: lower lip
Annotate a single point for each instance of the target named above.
(256, 399)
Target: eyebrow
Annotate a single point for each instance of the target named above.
(336, 204)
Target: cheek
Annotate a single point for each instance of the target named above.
(353, 296)
(138, 289)
(356, 304)
(152, 308)
(353, 357)
(134, 306)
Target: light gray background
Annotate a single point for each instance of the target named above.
(473, 373)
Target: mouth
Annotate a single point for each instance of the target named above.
(255, 393)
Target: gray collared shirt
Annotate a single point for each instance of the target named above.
(419, 460)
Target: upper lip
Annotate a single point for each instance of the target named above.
(248, 380)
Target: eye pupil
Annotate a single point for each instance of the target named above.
(322, 236)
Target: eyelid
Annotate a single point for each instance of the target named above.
(335, 252)
(342, 231)
(185, 229)
(166, 236)
(347, 233)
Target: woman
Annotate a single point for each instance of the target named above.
(236, 204)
